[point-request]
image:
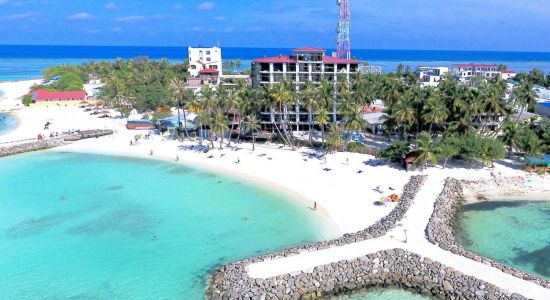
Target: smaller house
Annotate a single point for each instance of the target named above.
(375, 122)
(508, 74)
(44, 95)
(206, 77)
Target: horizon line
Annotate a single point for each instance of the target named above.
(249, 47)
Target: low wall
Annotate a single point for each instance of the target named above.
(215, 287)
(440, 231)
(390, 268)
(52, 143)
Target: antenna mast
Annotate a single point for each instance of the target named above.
(344, 33)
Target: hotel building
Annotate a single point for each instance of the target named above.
(467, 72)
(303, 65)
(202, 58)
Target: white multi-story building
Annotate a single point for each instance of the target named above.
(467, 72)
(202, 58)
(431, 76)
(308, 64)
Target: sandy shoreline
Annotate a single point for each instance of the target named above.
(518, 188)
(345, 194)
(14, 92)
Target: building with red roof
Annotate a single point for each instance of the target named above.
(44, 96)
(306, 64)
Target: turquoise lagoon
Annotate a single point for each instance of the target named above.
(75, 226)
(516, 233)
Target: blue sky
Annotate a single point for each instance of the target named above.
(518, 25)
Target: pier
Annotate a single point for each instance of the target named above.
(403, 257)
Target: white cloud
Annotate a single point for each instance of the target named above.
(131, 19)
(221, 18)
(117, 29)
(18, 16)
(207, 5)
(80, 16)
(110, 5)
(196, 28)
(3, 2)
(177, 6)
(229, 29)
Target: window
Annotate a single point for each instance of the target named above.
(207, 52)
(208, 59)
(215, 67)
(193, 67)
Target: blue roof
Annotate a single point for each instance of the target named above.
(544, 160)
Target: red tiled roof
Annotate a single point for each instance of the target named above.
(209, 71)
(43, 95)
(508, 72)
(474, 65)
(309, 49)
(372, 109)
(289, 59)
(276, 59)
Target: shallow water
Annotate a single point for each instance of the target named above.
(94, 227)
(383, 294)
(6, 122)
(516, 233)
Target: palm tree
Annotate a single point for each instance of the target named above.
(525, 96)
(509, 136)
(406, 115)
(435, 111)
(326, 96)
(219, 125)
(424, 150)
(354, 121)
(271, 100)
(322, 119)
(309, 101)
(253, 124)
(177, 86)
(335, 139)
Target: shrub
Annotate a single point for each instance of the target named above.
(395, 152)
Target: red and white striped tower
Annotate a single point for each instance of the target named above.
(344, 33)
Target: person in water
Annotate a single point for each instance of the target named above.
(154, 237)
(62, 197)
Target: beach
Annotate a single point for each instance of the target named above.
(12, 92)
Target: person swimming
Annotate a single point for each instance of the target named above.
(154, 237)
(62, 198)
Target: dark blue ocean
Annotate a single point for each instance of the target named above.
(26, 62)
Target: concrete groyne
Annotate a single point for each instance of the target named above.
(52, 143)
(222, 283)
(441, 231)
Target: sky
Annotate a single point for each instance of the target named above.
(500, 25)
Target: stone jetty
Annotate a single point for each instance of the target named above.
(52, 143)
(390, 268)
(441, 232)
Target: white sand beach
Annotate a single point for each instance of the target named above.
(13, 91)
(346, 193)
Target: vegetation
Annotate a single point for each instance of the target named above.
(476, 122)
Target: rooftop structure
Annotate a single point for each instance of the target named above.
(202, 58)
(44, 95)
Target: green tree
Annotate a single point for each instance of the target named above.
(424, 150)
(335, 139)
(253, 124)
(447, 148)
(219, 125)
(395, 152)
(322, 119)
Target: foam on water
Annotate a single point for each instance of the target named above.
(516, 233)
(95, 227)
